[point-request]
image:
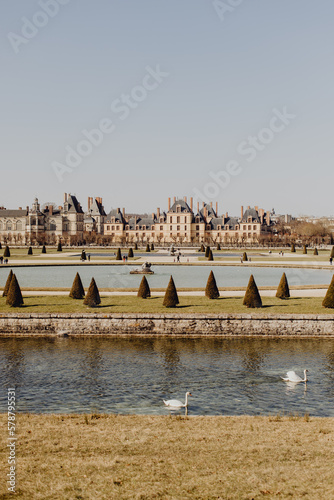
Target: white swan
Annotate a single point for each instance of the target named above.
(175, 403)
(293, 377)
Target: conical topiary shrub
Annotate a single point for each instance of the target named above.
(6, 252)
(207, 250)
(304, 249)
(152, 246)
(283, 291)
(7, 285)
(331, 255)
(244, 257)
(147, 248)
(252, 297)
(77, 290)
(119, 254)
(136, 246)
(218, 246)
(83, 255)
(144, 289)
(0, 245)
(329, 297)
(130, 253)
(44, 249)
(14, 296)
(59, 247)
(210, 256)
(211, 289)
(171, 299)
(293, 248)
(202, 249)
(29, 251)
(315, 251)
(93, 297)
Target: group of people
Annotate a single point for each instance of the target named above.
(3, 260)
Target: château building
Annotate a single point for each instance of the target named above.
(180, 224)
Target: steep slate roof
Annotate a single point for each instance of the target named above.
(210, 211)
(13, 213)
(218, 221)
(73, 204)
(184, 207)
(251, 212)
(148, 222)
(117, 214)
(96, 209)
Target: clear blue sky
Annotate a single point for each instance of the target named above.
(226, 74)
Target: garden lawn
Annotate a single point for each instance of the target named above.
(188, 305)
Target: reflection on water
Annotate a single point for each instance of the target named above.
(131, 375)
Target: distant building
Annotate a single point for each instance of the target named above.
(180, 224)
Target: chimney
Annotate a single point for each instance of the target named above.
(27, 209)
(59, 208)
(168, 204)
(256, 208)
(88, 203)
(198, 207)
(191, 203)
(226, 215)
(217, 208)
(158, 212)
(242, 211)
(185, 199)
(174, 199)
(20, 208)
(248, 207)
(91, 201)
(211, 204)
(203, 204)
(268, 218)
(50, 209)
(205, 212)
(123, 212)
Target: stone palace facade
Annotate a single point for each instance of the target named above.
(180, 224)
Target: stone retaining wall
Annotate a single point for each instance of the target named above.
(167, 324)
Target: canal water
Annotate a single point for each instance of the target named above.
(133, 376)
(184, 276)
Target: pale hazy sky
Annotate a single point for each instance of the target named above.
(229, 101)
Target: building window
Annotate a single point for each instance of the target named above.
(249, 228)
(244, 227)
(170, 228)
(9, 226)
(197, 228)
(152, 228)
(161, 228)
(178, 208)
(249, 235)
(178, 228)
(178, 219)
(185, 227)
(219, 228)
(113, 228)
(117, 228)
(254, 227)
(170, 219)
(108, 228)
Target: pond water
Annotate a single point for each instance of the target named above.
(184, 276)
(133, 376)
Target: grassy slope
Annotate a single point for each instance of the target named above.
(145, 457)
(188, 305)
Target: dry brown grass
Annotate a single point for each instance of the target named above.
(149, 457)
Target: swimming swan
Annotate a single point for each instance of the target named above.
(175, 403)
(293, 377)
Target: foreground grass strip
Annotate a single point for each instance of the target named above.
(188, 305)
(141, 457)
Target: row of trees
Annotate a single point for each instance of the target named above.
(252, 298)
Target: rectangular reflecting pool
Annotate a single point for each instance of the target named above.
(133, 376)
